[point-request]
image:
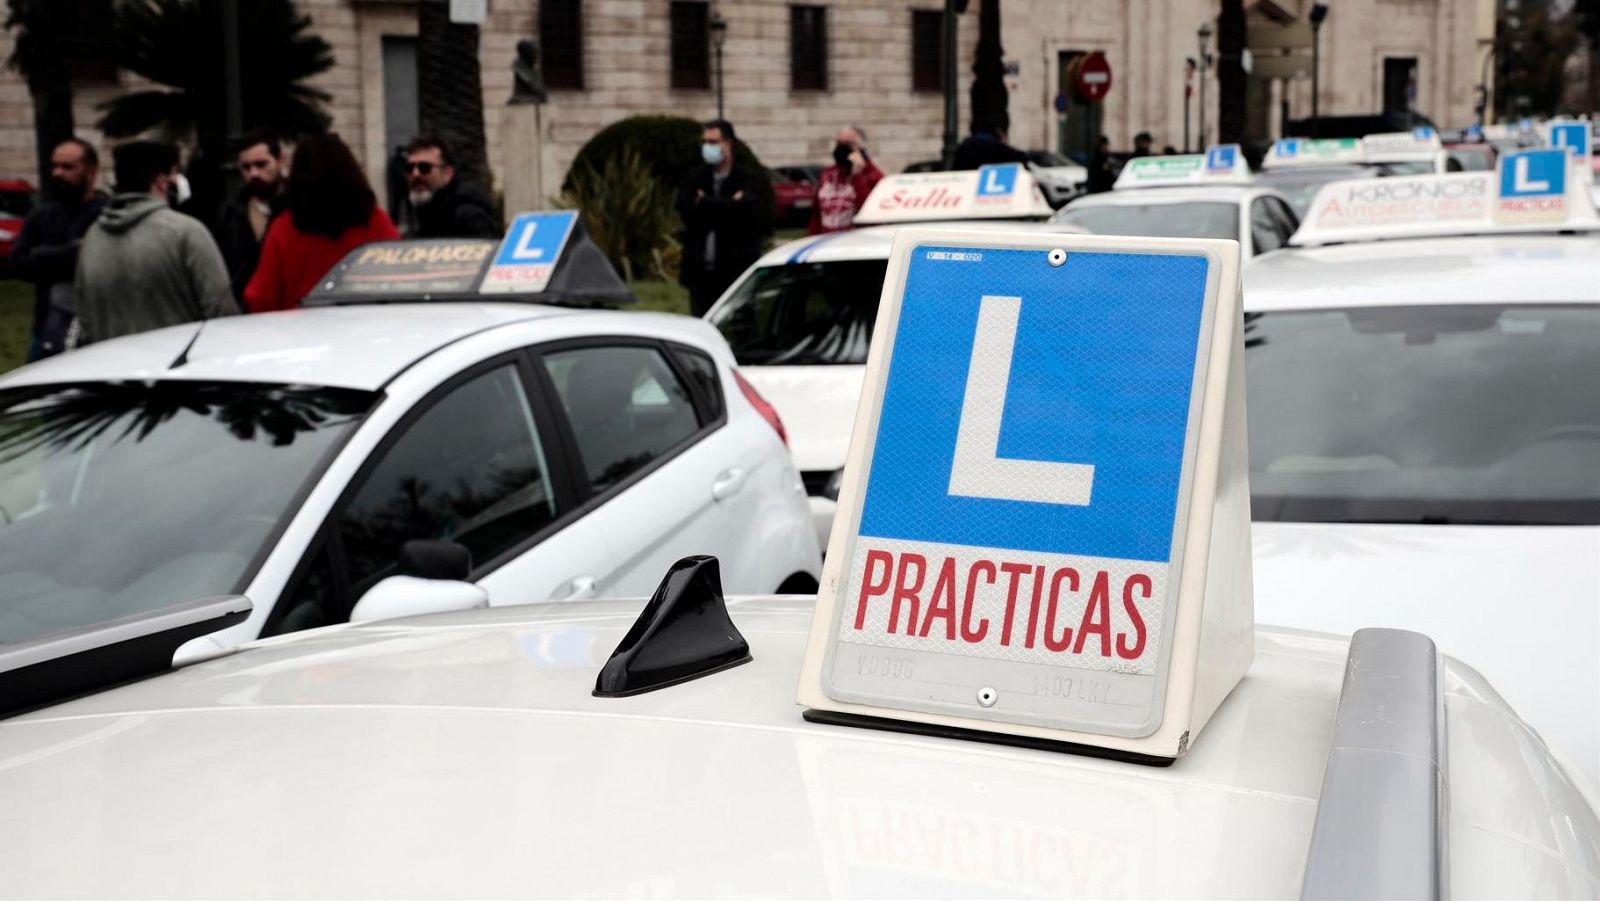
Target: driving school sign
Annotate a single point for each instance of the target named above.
(1030, 491)
(528, 255)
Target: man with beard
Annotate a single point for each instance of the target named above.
(242, 222)
(46, 253)
(444, 207)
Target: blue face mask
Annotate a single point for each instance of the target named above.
(711, 153)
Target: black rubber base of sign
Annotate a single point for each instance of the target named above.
(832, 718)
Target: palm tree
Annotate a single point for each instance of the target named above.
(174, 43)
(44, 30)
(988, 94)
(450, 87)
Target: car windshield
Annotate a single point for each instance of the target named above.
(1425, 414)
(1301, 185)
(1473, 159)
(1048, 158)
(1160, 220)
(803, 314)
(82, 467)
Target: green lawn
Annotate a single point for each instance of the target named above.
(660, 297)
(16, 318)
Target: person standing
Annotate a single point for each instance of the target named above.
(718, 207)
(329, 210)
(987, 146)
(143, 264)
(242, 222)
(46, 252)
(843, 187)
(444, 207)
(1142, 143)
(1101, 173)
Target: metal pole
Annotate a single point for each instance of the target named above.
(1186, 100)
(232, 89)
(948, 155)
(1202, 113)
(719, 79)
(1316, 74)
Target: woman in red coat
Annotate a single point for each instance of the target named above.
(330, 211)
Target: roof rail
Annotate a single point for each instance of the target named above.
(1380, 822)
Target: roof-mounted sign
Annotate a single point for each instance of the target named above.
(1286, 152)
(1004, 191)
(1223, 164)
(1531, 190)
(1418, 144)
(1576, 138)
(545, 257)
(1043, 532)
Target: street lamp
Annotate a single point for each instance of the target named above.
(719, 30)
(1205, 63)
(1188, 95)
(1319, 11)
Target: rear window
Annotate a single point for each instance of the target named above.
(1160, 220)
(803, 314)
(1475, 413)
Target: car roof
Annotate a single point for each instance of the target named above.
(1172, 194)
(358, 759)
(1527, 268)
(345, 346)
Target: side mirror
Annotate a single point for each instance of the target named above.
(433, 580)
(399, 596)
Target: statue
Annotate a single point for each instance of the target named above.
(527, 86)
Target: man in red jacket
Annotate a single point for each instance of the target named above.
(844, 186)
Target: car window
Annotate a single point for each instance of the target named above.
(1161, 220)
(702, 371)
(625, 405)
(1288, 223)
(313, 600)
(1264, 229)
(803, 313)
(471, 469)
(1440, 413)
(84, 468)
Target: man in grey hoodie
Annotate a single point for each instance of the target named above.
(144, 265)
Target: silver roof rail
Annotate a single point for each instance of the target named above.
(1380, 829)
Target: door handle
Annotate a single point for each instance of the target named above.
(727, 484)
(582, 588)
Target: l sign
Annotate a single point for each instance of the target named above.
(524, 250)
(1522, 182)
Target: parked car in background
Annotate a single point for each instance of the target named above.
(17, 198)
(1060, 178)
(794, 189)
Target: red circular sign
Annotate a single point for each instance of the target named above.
(1093, 80)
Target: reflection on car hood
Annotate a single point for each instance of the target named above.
(1521, 604)
(463, 755)
(818, 406)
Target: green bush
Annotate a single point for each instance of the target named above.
(669, 147)
(629, 214)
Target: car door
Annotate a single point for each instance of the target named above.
(664, 474)
(473, 463)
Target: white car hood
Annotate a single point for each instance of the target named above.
(1521, 604)
(817, 405)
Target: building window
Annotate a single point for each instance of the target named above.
(927, 50)
(808, 48)
(691, 46)
(561, 40)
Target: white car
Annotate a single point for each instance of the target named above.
(1259, 218)
(1060, 178)
(291, 457)
(1425, 443)
(466, 755)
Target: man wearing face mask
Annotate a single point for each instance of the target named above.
(718, 208)
(242, 222)
(144, 265)
(844, 186)
(46, 253)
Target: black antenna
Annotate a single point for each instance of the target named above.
(183, 356)
(683, 633)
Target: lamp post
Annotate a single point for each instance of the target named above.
(719, 30)
(232, 92)
(1205, 63)
(1319, 11)
(1188, 95)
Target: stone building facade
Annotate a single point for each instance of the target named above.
(874, 71)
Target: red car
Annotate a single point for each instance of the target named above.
(16, 200)
(794, 190)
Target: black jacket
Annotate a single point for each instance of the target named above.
(984, 150)
(715, 212)
(458, 211)
(237, 240)
(46, 253)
